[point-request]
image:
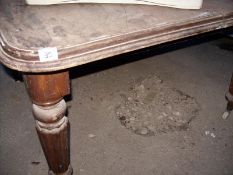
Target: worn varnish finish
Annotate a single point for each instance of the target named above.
(229, 96)
(47, 89)
(231, 86)
(85, 33)
(46, 92)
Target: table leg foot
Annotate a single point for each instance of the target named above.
(229, 98)
(68, 172)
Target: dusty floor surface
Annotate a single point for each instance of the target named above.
(168, 139)
(152, 107)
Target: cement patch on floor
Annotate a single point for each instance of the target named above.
(152, 107)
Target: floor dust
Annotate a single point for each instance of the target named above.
(193, 78)
(153, 107)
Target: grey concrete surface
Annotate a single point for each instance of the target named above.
(201, 70)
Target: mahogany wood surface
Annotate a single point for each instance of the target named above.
(85, 33)
(231, 86)
(47, 89)
(46, 92)
(230, 96)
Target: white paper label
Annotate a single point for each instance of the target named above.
(48, 54)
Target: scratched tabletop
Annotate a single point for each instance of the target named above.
(84, 33)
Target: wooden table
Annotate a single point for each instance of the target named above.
(84, 33)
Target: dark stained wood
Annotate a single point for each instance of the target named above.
(230, 96)
(47, 89)
(46, 92)
(55, 144)
(85, 33)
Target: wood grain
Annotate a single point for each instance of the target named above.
(84, 33)
(46, 92)
(47, 89)
(231, 86)
(229, 98)
(55, 145)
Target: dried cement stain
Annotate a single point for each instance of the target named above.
(152, 107)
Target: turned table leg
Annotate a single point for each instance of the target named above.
(46, 92)
(229, 97)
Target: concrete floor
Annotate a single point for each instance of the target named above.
(201, 70)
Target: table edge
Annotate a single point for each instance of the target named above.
(72, 56)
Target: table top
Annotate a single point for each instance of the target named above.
(84, 33)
